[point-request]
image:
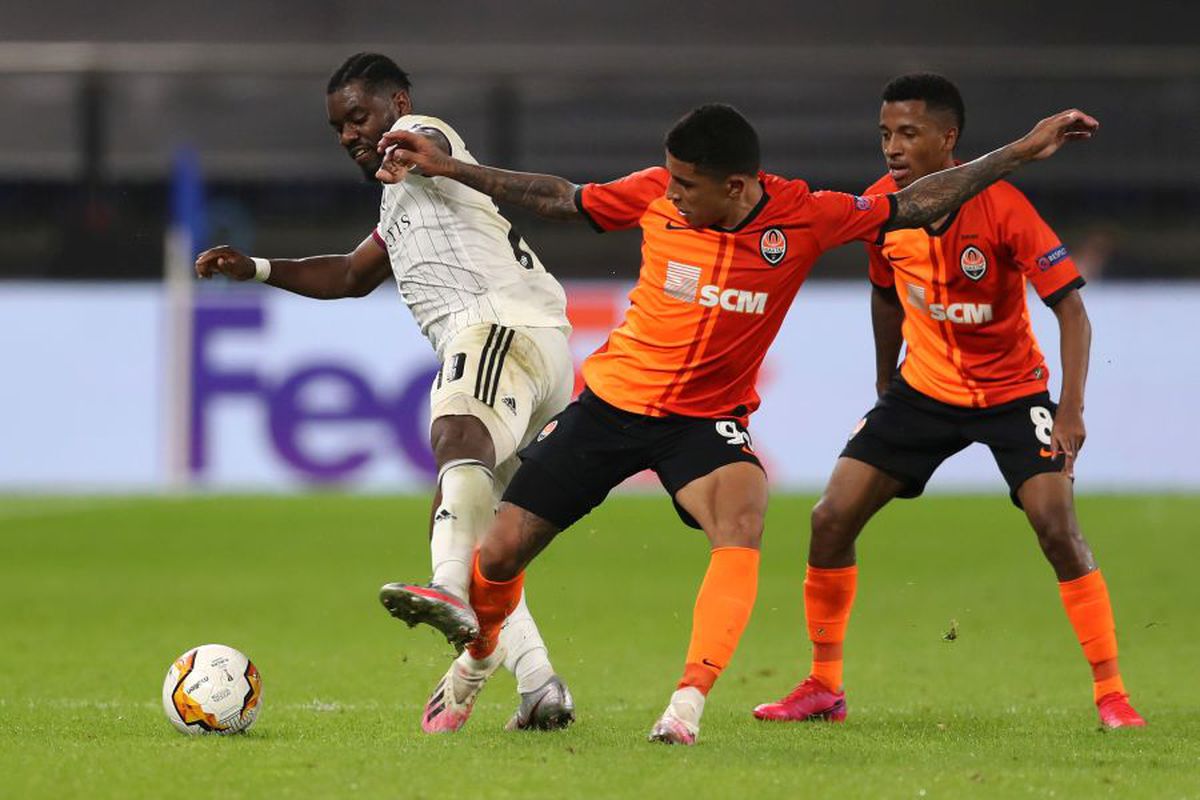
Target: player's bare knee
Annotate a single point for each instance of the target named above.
(498, 560)
(742, 529)
(1053, 521)
(1058, 535)
(461, 436)
(829, 522)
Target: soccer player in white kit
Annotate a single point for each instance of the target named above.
(497, 321)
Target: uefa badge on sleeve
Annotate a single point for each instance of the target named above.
(773, 245)
(973, 262)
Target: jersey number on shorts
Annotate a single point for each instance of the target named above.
(732, 434)
(1043, 423)
(452, 369)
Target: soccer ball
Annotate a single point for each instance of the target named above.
(212, 689)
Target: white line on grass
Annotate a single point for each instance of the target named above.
(33, 508)
(316, 706)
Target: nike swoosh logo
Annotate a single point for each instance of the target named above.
(1044, 453)
(708, 663)
(671, 226)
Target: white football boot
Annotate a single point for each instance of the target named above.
(680, 723)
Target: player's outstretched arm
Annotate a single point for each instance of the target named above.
(545, 195)
(935, 196)
(353, 274)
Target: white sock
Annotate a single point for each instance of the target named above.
(468, 673)
(687, 704)
(459, 523)
(477, 666)
(525, 652)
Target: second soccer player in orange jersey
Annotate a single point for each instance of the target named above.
(954, 292)
(725, 248)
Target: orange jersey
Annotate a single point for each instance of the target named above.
(968, 341)
(709, 301)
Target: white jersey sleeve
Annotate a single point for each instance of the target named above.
(457, 260)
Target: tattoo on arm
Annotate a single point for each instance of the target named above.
(935, 196)
(546, 195)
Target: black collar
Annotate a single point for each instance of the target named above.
(945, 226)
(754, 212)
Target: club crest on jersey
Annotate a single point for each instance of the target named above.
(973, 262)
(549, 429)
(773, 245)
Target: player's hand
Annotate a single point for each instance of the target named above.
(406, 151)
(393, 168)
(224, 260)
(1053, 132)
(1067, 437)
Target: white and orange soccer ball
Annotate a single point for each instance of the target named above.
(212, 689)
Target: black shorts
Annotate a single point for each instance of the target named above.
(908, 435)
(592, 446)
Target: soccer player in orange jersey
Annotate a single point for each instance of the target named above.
(725, 248)
(954, 292)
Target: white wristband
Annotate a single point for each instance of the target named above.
(262, 269)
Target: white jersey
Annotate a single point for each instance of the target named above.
(457, 261)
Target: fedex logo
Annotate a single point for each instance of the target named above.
(303, 430)
(683, 283)
(962, 313)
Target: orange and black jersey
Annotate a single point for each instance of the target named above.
(709, 301)
(968, 339)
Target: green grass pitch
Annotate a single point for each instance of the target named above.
(99, 595)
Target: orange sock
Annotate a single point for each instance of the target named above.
(1090, 612)
(492, 601)
(828, 597)
(721, 613)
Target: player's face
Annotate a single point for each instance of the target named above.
(700, 198)
(360, 117)
(916, 141)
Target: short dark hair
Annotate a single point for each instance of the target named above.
(376, 72)
(937, 92)
(716, 139)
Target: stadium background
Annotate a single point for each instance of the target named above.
(166, 128)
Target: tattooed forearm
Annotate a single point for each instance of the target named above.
(546, 195)
(935, 196)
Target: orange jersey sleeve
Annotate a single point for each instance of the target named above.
(879, 269)
(620, 204)
(1034, 247)
(840, 218)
